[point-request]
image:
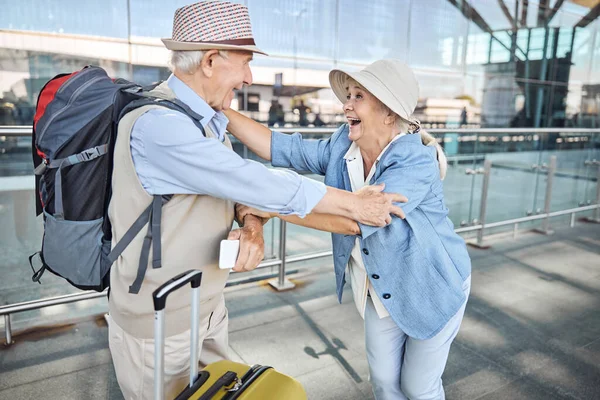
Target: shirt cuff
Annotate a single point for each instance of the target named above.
(309, 194)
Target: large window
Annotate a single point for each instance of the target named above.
(99, 18)
(544, 71)
(369, 31)
(295, 28)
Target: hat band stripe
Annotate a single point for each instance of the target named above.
(235, 42)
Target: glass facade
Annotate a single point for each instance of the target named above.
(526, 65)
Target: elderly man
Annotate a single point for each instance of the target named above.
(161, 151)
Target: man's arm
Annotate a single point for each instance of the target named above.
(183, 161)
(369, 204)
(253, 134)
(322, 222)
(288, 151)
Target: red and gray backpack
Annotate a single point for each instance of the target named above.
(74, 133)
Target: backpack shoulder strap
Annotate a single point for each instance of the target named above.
(156, 98)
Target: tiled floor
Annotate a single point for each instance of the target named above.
(531, 331)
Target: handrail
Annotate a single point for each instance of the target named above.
(459, 130)
(17, 130)
(25, 130)
(6, 310)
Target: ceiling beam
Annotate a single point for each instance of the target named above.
(590, 17)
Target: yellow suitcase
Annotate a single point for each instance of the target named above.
(222, 380)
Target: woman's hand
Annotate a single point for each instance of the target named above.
(242, 210)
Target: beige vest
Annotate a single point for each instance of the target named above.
(192, 227)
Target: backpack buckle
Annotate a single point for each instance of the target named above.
(90, 154)
(40, 169)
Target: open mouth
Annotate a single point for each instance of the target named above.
(353, 121)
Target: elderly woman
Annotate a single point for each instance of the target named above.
(411, 278)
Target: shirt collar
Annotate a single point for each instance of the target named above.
(354, 151)
(197, 104)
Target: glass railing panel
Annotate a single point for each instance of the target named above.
(513, 183)
(462, 189)
(575, 178)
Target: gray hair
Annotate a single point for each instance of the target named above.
(185, 61)
(188, 61)
(402, 124)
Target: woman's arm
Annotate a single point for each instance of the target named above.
(325, 222)
(321, 222)
(253, 134)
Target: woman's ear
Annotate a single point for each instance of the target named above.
(390, 119)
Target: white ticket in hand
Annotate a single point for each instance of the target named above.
(228, 253)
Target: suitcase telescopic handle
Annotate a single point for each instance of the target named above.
(160, 301)
(160, 295)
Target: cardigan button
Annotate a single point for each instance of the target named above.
(375, 276)
(366, 252)
(387, 296)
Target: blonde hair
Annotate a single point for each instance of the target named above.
(404, 126)
(429, 140)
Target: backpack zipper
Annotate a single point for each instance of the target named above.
(71, 99)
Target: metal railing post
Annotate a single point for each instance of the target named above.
(485, 171)
(551, 168)
(272, 239)
(8, 329)
(281, 283)
(596, 217)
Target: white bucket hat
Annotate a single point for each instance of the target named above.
(394, 84)
(390, 81)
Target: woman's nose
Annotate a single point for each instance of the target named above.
(348, 105)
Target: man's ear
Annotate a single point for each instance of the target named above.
(208, 61)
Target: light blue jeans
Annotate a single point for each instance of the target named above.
(403, 368)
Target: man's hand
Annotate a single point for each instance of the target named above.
(373, 207)
(252, 244)
(241, 211)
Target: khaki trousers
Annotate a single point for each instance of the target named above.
(133, 358)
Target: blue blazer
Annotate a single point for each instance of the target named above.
(416, 265)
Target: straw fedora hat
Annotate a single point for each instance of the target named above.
(211, 25)
(390, 81)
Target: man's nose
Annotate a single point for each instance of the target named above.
(248, 77)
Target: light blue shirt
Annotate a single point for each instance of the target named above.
(171, 156)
